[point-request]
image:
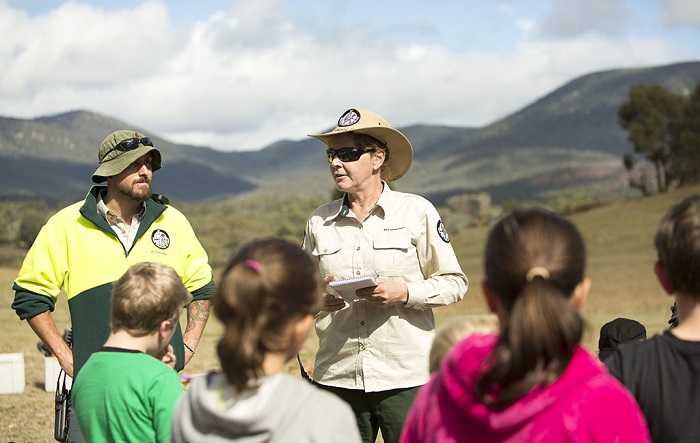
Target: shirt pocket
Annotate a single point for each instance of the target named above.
(328, 251)
(394, 254)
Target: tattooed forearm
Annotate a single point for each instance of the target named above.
(197, 314)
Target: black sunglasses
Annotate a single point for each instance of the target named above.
(346, 154)
(128, 145)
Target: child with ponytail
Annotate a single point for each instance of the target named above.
(533, 381)
(266, 301)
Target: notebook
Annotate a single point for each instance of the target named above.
(346, 287)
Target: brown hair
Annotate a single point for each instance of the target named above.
(542, 329)
(267, 284)
(146, 295)
(678, 245)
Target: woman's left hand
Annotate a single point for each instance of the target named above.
(386, 293)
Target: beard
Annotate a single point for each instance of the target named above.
(136, 193)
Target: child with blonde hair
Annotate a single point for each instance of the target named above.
(123, 393)
(454, 331)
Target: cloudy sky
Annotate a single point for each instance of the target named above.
(238, 75)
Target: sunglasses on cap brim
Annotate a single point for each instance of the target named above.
(128, 145)
(346, 154)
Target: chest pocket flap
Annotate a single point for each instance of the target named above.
(326, 246)
(393, 240)
(394, 254)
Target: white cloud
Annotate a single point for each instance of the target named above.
(681, 12)
(569, 18)
(250, 76)
(527, 25)
(79, 46)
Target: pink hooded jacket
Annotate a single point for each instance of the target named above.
(585, 404)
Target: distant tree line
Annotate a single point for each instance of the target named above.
(664, 129)
(22, 221)
(224, 225)
(220, 226)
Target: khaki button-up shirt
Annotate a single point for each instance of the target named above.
(364, 346)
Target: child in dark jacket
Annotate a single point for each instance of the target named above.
(663, 372)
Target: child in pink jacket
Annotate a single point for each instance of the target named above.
(532, 382)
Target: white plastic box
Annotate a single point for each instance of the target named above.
(51, 371)
(11, 373)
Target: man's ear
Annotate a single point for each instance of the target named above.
(662, 276)
(578, 298)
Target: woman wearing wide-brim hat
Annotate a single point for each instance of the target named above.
(374, 344)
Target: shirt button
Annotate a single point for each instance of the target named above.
(358, 273)
(358, 248)
(363, 347)
(362, 323)
(325, 250)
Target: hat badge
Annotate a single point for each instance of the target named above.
(349, 118)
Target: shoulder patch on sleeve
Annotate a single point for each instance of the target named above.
(442, 232)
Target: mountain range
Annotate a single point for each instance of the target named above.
(567, 139)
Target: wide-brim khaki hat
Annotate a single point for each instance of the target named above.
(112, 162)
(369, 123)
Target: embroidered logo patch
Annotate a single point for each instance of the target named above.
(350, 117)
(161, 239)
(442, 232)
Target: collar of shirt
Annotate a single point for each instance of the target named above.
(111, 217)
(383, 203)
(125, 234)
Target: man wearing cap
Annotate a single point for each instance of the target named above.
(87, 246)
(373, 351)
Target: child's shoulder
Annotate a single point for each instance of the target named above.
(655, 352)
(665, 341)
(308, 393)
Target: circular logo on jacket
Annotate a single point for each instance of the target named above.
(442, 232)
(161, 239)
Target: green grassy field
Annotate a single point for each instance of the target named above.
(621, 257)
